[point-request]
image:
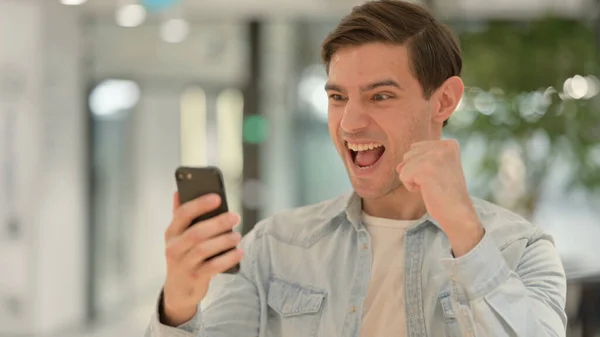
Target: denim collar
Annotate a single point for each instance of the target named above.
(353, 212)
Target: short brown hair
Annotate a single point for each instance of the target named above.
(434, 51)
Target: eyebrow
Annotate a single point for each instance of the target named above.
(368, 87)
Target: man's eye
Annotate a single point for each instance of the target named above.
(380, 97)
(337, 97)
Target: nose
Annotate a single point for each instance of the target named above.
(355, 117)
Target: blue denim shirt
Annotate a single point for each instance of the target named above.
(306, 273)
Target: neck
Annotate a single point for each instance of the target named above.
(399, 204)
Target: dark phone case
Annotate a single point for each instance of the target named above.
(203, 180)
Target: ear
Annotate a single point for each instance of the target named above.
(448, 96)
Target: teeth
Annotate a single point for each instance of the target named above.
(362, 147)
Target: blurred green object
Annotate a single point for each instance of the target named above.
(158, 5)
(517, 102)
(256, 129)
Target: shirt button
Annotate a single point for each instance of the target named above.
(411, 312)
(364, 246)
(352, 309)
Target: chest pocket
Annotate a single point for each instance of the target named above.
(294, 309)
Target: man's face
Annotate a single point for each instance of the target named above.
(376, 111)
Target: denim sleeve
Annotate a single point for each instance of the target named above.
(234, 312)
(490, 299)
(188, 329)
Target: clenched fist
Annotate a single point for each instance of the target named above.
(187, 250)
(434, 169)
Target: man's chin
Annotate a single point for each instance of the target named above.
(367, 189)
(373, 188)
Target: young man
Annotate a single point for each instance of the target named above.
(409, 253)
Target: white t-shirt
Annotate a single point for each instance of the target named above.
(383, 312)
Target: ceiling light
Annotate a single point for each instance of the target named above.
(72, 2)
(131, 15)
(174, 30)
(113, 96)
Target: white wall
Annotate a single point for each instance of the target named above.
(162, 71)
(155, 157)
(20, 101)
(44, 269)
(139, 53)
(61, 247)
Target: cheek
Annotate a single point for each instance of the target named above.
(333, 122)
(404, 125)
(334, 118)
(399, 118)
(412, 114)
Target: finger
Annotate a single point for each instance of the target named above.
(419, 148)
(209, 248)
(221, 263)
(179, 246)
(408, 175)
(411, 187)
(187, 212)
(425, 144)
(176, 202)
(412, 154)
(212, 227)
(408, 155)
(399, 167)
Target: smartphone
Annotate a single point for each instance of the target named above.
(194, 182)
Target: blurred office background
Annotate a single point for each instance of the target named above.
(101, 100)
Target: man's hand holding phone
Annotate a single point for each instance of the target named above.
(188, 252)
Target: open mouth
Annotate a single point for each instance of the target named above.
(365, 155)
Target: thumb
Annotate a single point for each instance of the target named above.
(399, 167)
(412, 187)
